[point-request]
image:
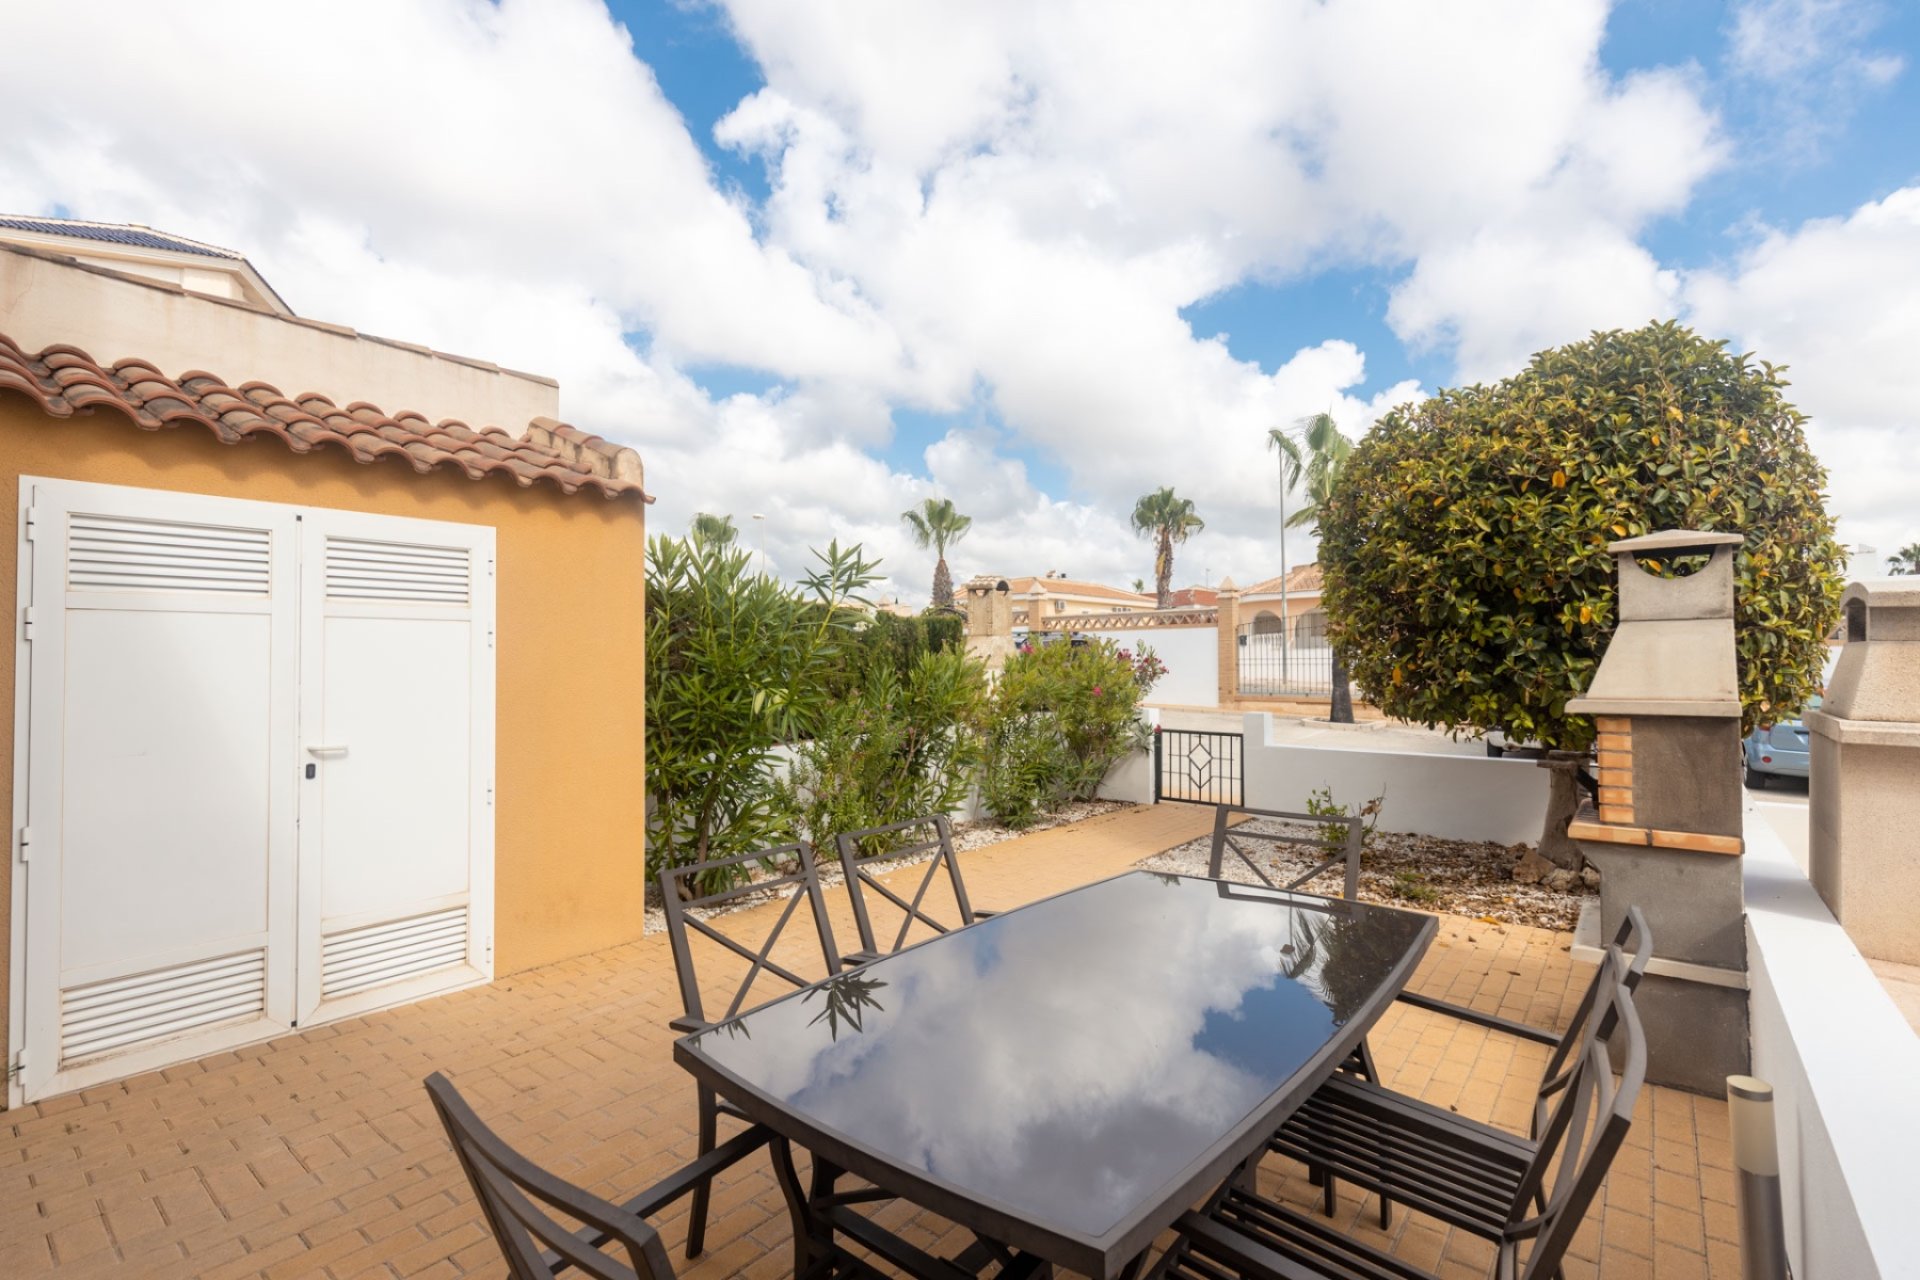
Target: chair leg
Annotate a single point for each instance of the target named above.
(1386, 1213)
(703, 1191)
(1328, 1190)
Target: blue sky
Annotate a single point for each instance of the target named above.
(821, 261)
(1866, 144)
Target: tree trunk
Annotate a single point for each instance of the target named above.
(1563, 799)
(942, 585)
(1163, 571)
(1341, 709)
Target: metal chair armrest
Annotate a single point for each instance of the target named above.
(854, 959)
(1492, 1022)
(686, 1025)
(679, 1183)
(981, 913)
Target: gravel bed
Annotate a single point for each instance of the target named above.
(1459, 877)
(967, 836)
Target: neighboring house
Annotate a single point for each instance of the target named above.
(317, 709)
(1059, 595)
(1260, 605)
(152, 255)
(1194, 598)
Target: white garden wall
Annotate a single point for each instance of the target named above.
(1192, 655)
(1843, 1064)
(1455, 797)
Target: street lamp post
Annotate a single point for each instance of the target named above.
(1286, 633)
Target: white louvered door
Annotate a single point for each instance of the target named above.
(159, 672)
(254, 773)
(396, 729)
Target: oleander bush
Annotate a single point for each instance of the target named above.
(1061, 716)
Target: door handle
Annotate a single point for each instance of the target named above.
(324, 751)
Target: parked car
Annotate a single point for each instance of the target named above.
(1499, 744)
(1778, 750)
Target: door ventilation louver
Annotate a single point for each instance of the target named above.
(355, 959)
(358, 569)
(125, 1013)
(119, 553)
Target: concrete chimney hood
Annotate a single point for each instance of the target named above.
(1672, 654)
(1666, 832)
(1865, 800)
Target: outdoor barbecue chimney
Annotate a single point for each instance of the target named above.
(1665, 833)
(1865, 790)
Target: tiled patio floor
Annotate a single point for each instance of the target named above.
(317, 1154)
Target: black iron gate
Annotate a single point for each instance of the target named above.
(1197, 767)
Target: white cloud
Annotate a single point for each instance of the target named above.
(996, 211)
(1812, 61)
(1837, 300)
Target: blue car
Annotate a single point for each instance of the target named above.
(1778, 750)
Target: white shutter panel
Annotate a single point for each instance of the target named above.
(161, 671)
(396, 701)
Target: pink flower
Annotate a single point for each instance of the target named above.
(1096, 691)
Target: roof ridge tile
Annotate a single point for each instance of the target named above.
(65, 380)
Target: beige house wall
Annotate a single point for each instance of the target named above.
(569, 831)
(46, 299)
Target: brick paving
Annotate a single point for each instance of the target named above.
(318, 1155)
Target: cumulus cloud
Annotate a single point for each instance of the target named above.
(1813, 60)
(996, 212)
(1837, 300)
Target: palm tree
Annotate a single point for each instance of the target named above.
(1167, 519)
(936, 524)
(1139, 586)
(1905, 560)
(1326, 452)
(713, 531)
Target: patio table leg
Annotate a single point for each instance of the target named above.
(812, 1233)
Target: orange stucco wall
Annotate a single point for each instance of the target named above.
(569, 861)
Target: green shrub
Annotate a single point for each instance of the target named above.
(1413, 887)
(891, 751)
(1333, 837)
(1061, 716)
(736, 663)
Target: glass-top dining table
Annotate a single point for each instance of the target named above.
(1064, 1079)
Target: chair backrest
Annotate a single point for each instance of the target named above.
(1584, 1131)
(1325, 833)
(889, 843)
(1634, 941)
(519, 1197)
(801, 885)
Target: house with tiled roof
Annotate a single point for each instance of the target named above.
(1058, 596)
(327, 689)
(1260, 604)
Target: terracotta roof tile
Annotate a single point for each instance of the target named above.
(65, 380)
(1301, 579)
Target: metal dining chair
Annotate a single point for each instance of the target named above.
(1239, 841)
(520, 1199)
(801, 885)
(1532, 1207)
(863, 849)
(1414, 1153)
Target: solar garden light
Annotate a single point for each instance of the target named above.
(1756, 1162)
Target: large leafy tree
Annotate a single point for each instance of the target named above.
(1905, 560)
(1465, 548)
(1319, 463)
(934, 523)
(1169, 520)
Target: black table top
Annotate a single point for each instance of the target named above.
(1060, 1075)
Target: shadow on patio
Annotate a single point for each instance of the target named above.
(318, 1155)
